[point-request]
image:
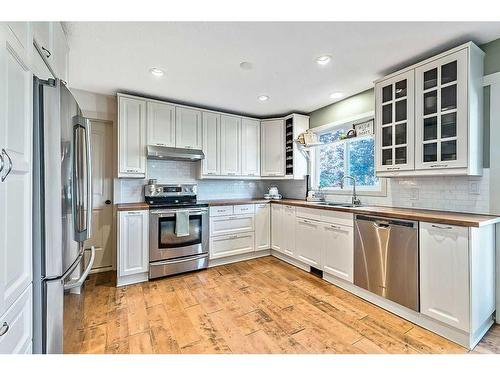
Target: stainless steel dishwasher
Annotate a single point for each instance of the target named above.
(386, 258)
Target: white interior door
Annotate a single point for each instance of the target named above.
(102, 189)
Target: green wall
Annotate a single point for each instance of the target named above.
(492, 58)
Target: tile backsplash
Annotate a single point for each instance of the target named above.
(451, 193)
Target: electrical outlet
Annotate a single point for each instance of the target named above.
(473, 187)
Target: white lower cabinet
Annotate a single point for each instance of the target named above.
(223, 246)
(288, 230)
(338, 251)
(308, 241)
(16, 325)
(224, 225)
(262, 226)
(276, 227)
(133, 250)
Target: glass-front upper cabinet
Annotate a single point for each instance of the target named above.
(441, 110)
(394, 119)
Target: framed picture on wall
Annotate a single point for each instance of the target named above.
(364, 128)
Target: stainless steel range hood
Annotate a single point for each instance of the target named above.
(174, 153)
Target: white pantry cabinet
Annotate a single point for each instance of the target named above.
(210, 166)
(308, 241)
(277, 227)
(273, 148)
(288, 230)
(133, 249)
(230, 145)
(160, 124)
(188, 128)
(131, 137)
(15, 170)
(338, 251)
(250, 147)
(262, 226)
(457, 276)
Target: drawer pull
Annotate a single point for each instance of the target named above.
(335, 227)
(439, 166)
(4, 329)
(441, 227)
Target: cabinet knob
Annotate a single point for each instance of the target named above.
(4, 329)
(47, 52)
(107, 201)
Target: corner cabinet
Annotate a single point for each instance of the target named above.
(273, 148)
(262, 226)
(442, 133)
(132, 245)
(131, 137)
(250, 147)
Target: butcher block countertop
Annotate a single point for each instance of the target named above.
(433, 216)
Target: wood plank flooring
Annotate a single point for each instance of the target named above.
(258, 306)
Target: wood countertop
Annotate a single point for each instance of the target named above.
(132, 206)
(433, 216)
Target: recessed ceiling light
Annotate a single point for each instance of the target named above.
(263, 98)
(246, 65)
(157, 72)
(336, 95)
(323, 60)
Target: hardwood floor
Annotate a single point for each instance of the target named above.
(258, 306)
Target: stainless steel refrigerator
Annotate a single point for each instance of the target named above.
(62, 217)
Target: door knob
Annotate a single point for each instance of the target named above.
(107, 201)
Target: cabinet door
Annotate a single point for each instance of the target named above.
(133, 242)
(262, 226)
(272, 148)
(308, 242)
(288, 230)
(338, 252)
(230, 146)
(161, 124)
(131, 137)
(188, 130)
(395, 123)
(276, 227)
(16, 190)
(444, 274)
(60, 52)
(223, 225)
(210, 166)
(19, 320)
(250, 147)
(441, 113)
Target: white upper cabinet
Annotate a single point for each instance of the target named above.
(394, 100)
(131, 137)
(188, 128)
(250, 147)
(442, 134)
(15, 171)
(272, 148)
(230, 146)
(441, 112)
(262, 226)
(210, 166)
(60, 52)
(444, 274)
(161, 124)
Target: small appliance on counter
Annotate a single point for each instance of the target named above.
(178, 229)
(273, 193)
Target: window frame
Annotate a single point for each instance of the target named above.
(381, 190)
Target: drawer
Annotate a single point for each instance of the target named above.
(221, 210)
(244, 209)
(337, 217)
(231, 224)
(308, 213)
(223, 246)
(18, 319)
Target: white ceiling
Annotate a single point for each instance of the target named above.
(201, 59)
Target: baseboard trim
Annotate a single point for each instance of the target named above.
(238, 258)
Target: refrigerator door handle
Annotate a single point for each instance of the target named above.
(82, 179)
(81, 280)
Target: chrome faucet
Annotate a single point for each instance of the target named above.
(355, 200)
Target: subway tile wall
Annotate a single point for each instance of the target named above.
(465, 194)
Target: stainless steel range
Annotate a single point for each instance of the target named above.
(178, 229)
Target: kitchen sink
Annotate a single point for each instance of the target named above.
(338, 204)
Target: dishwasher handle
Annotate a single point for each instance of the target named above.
(384, 223)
